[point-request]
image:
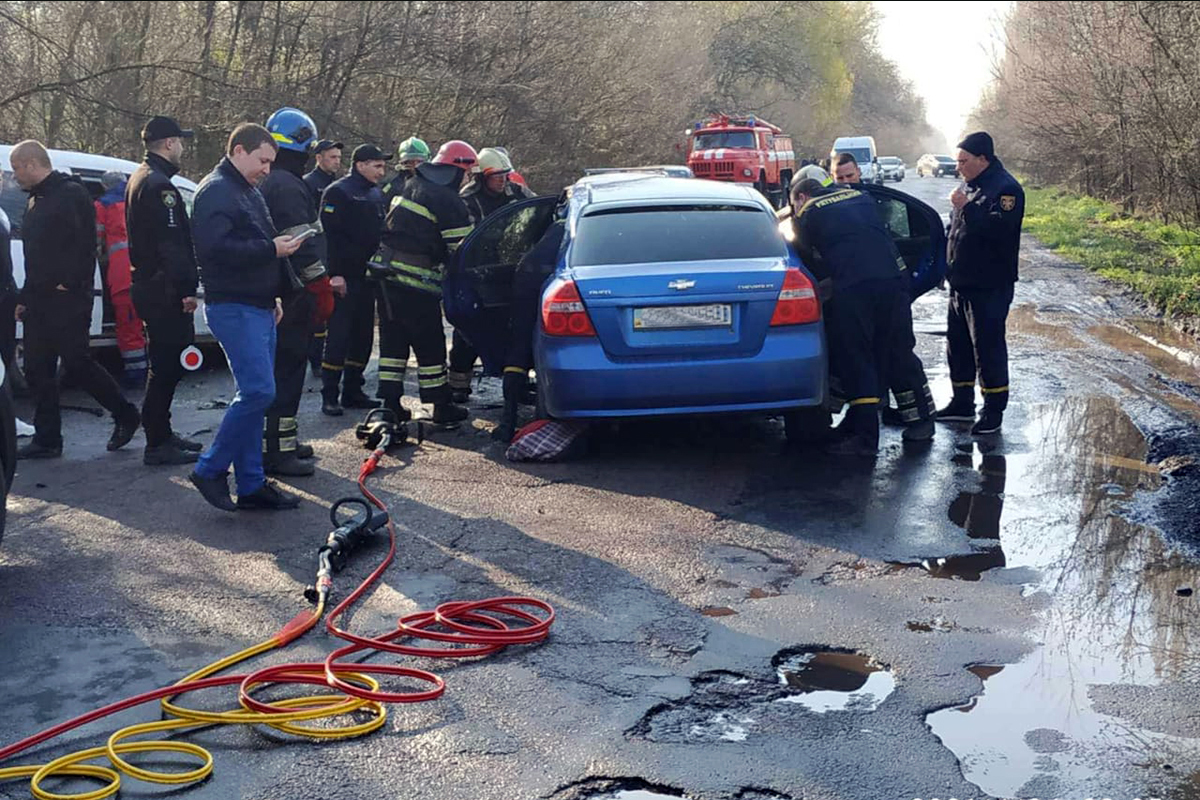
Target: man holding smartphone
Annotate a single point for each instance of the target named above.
(245, 270)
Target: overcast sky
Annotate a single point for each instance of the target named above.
(946, 49)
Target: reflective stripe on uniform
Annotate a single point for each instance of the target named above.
(906, 398)
(392, 369)
(459, 233)
(118, 247)
(287, 424)
(287, 444)
(863, 401)
(416, 283)
(355, 364)
(321, 334)
(1000, 390)
(431, 377)
(910, 414)
(516, 370)
(334, 367)
(416, 208)
(962, 384)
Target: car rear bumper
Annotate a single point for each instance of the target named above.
(579, 380)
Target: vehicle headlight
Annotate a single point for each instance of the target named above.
(747, 173)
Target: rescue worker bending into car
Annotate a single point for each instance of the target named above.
(424, 226)
(489, 191)
(840, 236)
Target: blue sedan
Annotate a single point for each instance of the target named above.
(670, 296)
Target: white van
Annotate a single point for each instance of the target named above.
(864, 152)
(88, 168)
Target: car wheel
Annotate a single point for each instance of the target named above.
(806, 425)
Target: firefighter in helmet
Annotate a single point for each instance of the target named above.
(411, 152)
(425, 224)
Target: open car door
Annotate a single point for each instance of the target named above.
(478, 286)
(918, 232)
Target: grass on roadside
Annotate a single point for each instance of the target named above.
(1160, 262)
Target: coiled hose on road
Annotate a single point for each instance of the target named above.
(463, 629)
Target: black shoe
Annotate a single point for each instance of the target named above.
(359, 400)
(34, 450)
(330, 408)
(445, 413)
(989, 422)
(891, 417)
(186, 444)
(921, 431)
(287, 464)
(268, 497)
(402, 413)
(168, 455)
(214, 490)
(853, 445)
(304, 451)
(126, 426)
(504, 432)
(957, 411)
(460, 396)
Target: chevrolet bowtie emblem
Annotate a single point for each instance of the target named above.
(681, 285)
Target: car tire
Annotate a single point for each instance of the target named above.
(806, 425)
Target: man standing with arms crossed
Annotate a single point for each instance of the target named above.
(982, 256)
(243, 263)
(164, 282)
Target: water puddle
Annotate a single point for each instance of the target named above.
(834, 680)
(1115, 616)
(724, 727)
(1026, 319)
(1178, 360)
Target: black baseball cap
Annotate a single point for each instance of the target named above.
(369, 152)
(326, 144)
(163, 128)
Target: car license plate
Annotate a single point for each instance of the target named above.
(716, 315)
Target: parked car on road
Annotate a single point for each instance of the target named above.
(892, 168)
(670, 296)
(937, 166)
(88, 168)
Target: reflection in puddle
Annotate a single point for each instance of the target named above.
(834, 680)
(1115, 616)
(724, 727)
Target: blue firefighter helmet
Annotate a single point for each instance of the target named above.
(292, 129)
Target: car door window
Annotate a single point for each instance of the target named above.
(896, 217)
(492, 252)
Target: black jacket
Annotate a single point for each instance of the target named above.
(235, 244)
(985, 234)
(392, 186)
(425, 225)
(291, 203)
(840, 235)
(318, 181)
(352, 215)
(59, 235)
(482, 204)
(8, 285)
(160, 234)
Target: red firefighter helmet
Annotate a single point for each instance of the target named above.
(517, 177)
(456, 153)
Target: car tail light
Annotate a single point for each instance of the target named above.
(798, 303)
(563, 313)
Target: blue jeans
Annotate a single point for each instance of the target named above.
(247, 335)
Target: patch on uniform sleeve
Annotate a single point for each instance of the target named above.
(168, 198)
(328, 209)
(1008, 202)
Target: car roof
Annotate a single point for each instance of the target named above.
(613, 190)
(89, 163)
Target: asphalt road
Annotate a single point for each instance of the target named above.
(1021, 601)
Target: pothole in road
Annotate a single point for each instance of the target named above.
(732, 707)
(617, 789)
(833, 680)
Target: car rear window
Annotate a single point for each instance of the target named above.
(655, 234)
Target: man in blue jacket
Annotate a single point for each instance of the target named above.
(982, 256)
(245, 271)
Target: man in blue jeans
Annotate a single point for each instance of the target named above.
(244, 269)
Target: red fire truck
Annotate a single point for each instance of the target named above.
(743, 149)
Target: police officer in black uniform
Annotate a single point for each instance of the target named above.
(840, 237)
(982, 255)
(164, 282)
(352, 214)
(425, 225)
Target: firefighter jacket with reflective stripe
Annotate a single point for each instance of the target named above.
(481, 203)
(985, 234)
(112, 239)
(291, 203)
(352, 215)
(425, 225)
(160, 235)
(841, 235)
